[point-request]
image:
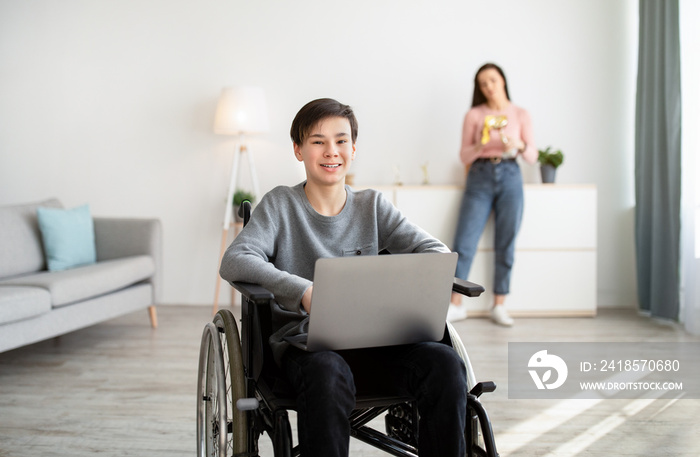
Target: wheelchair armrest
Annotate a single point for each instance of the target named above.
(257, 294)
(260, 295)
(255, 302)
(467, 288)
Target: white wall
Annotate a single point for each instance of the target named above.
(111, 103)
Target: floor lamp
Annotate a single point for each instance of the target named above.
(241, 111)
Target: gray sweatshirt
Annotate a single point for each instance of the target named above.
(285, 236)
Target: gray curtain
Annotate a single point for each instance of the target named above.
(658, 158)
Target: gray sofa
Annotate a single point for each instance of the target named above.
(36, 304)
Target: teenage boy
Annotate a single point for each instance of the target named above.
(290, 228)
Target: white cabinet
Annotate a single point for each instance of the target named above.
(555, 260)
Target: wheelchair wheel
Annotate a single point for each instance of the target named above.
(211, 396)
(222, 429)
(235, 380)
(462, 351)
(473, 432)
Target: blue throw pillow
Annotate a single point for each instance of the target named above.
(68, 235)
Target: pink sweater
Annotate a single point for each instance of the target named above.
(519, 126)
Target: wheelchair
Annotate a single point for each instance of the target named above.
(242, 394)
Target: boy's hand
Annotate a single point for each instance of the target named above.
(306, 299)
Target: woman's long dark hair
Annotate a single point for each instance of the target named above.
(479, 97)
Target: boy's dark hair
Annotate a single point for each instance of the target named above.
(314, 112)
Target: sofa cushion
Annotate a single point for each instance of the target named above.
(81, 283)
(20, 243)
(19, 303)
(68, 236)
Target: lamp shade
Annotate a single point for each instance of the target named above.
(241, 109)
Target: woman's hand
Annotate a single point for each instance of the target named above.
(510, 143)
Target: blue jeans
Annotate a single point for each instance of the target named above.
(327, 382)
(497, 188)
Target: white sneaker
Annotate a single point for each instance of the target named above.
(500, 316)
(456, 313)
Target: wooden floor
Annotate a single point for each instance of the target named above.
(123, 389)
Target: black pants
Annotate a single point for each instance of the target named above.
(326, 384)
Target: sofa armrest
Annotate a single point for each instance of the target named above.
(122, 237)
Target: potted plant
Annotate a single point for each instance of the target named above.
(549, 162)
(238, 198)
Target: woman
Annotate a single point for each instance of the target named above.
(495, 132)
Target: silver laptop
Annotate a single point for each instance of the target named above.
(385, 300)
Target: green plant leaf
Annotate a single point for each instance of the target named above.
(241, 195)
(547, 157)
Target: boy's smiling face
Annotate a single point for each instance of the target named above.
(327, 152)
